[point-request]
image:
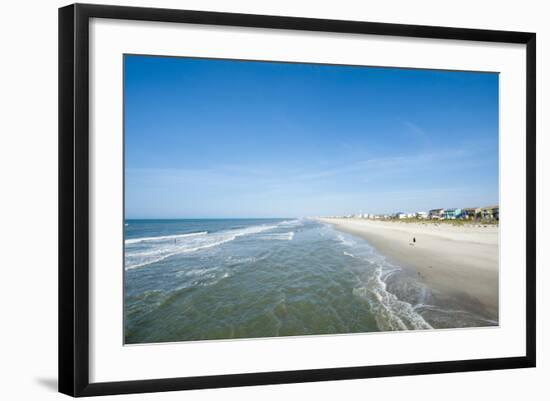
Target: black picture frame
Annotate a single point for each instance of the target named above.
(74, 198)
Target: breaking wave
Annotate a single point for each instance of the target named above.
(390, 312)
(140, 252)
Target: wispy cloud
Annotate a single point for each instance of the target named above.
(417, 132)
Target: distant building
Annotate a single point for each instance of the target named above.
(469, 213)
(496, 212)
(422, 215)
(487, 213)
(452, 214)
(435, 213)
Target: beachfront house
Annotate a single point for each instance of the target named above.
(452, 214)
(487, 213)
(422, 215)
(435, 213)
(400, 215)
(469, 213)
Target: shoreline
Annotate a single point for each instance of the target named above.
(455, 262)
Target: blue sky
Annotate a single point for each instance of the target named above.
(222, 138)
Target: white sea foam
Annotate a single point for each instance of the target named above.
(140, 252)
(279, 236)
(195, 272)
(390, 312)
(345, 240)
(163, 238)
(291, 223)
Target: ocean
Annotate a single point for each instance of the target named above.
(209, 279)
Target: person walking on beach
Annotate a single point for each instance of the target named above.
(414, 240)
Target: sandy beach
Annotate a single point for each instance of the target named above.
(458, 262)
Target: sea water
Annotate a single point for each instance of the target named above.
(208, 279)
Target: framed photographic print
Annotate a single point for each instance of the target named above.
(249, 199)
